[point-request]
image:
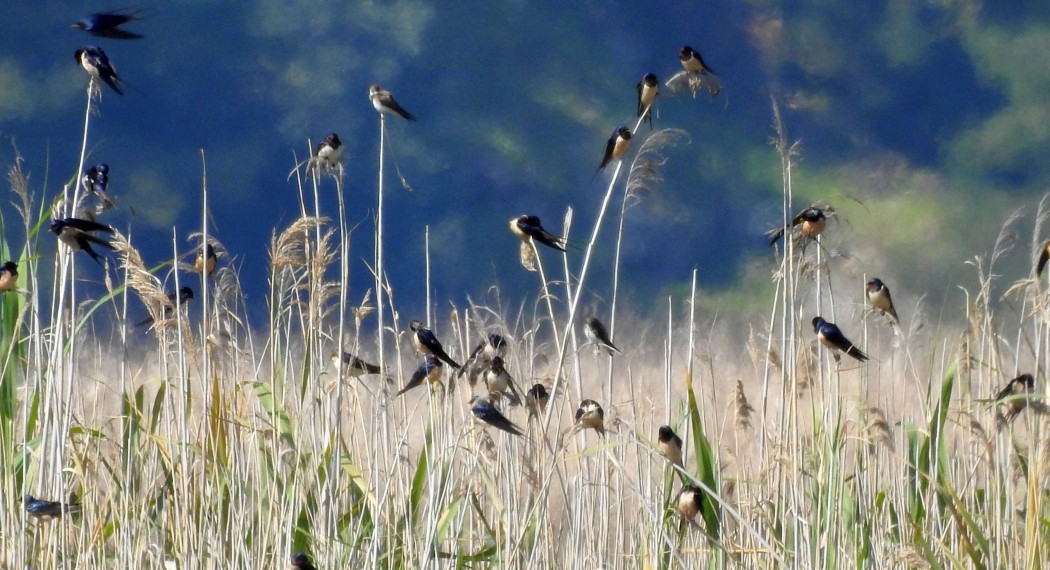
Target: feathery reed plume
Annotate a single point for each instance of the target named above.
(289, 248)
(139, 278)
(20, 186)
(743, 407)
(977, 432)
(692, 83)
(645, 168)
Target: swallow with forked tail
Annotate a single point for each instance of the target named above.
(483, 410)
(879, 297)
(810, 222)
(529, 228)
(616, 147)
(427, 343)
(830, 336)
(107, 25)
(96, 63)
(75, 233)
(648, 90)
(692, 62)
(384, 102)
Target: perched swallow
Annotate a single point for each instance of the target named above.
(528, 227)
(430, 371)
(205, 259)
(648, 90)
(482, 356)
(8, 276)
(811, 223)
(96, 63)
(690, 501)
(107, 25)
(1015, 396)
(354, 366)
(692, 62)
(486, 412)
(384, 102)
(329, 153)
(498, 381)
(598, 335)
(879, 297)
(536, 400)
(830, 336)
(175, 300)
(95, 182)
(47, 510)
(669, 445)
(1044, 256)
(617, 146)
(590, 415)
(300, 561)
(427, 343)
(74, 232)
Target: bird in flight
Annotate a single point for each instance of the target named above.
(107, 25)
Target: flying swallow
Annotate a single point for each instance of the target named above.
(205, 259)
(830, 336)
(107, 25)
(8, 276)
(536, 400)
(590, 415)
(617, 146)
(690, 501)
(528, 227)
(430, 371)
(648, 90)
(598, 335)
(427, 343)
(354, 366)
(480, 358)
(175, 299)
(486, 412)
(95, 182)
(811, 223)
(74, 232)
(498, 381)
(300, 561)
(1015, 396)
(96, 63)
(1044, 256)
(47, 510)
(692, 62)
(384, 102)
(329, 153)
(669, 445)
(879, 297)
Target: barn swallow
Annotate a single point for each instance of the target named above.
(669, 445)
(74, 232)
(96, 63)
(47, 510)
(427, 343)
(1044, 256)
(107, 25)
(879, 297)
(95, 182)
(536, 400)
(430, 371)
(598, 335)
(591, 415)
(1015, 396)
(384, 102)
(690, 501)
(486, 412)
(811, 223)
(617, 146)
(300, 561)
(498, 381)
(648, 90)
(329, 153)
(692, 62)
(8, 276)
(528, 227)
(354, 366)
(483, 354)
(830, 336)
(175, 300)
(205, 259)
